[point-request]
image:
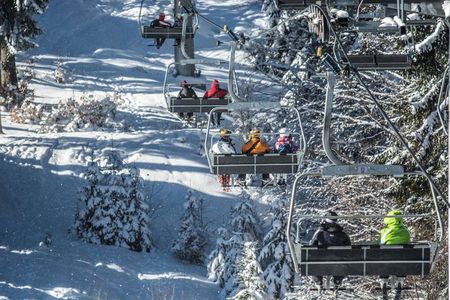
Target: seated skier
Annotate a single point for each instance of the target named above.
(186, 92)
(395, 233)
(255, 146)
(330, 233)
(284, 145)
(224, 146)
(160, 22)
(215, 92)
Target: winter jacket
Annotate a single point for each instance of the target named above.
(395, 232)
(255, 146)
(215, 91)
(187, 92)
(330, 235)
(223, 147)
(160, 22)
(290, 146)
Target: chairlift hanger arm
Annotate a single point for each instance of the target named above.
(383, 113)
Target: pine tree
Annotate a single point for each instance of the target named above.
(222, 266)
(113, 209)
(17, 30)
(279, 271)
(192, 236)
(216, 265)
(251, 285)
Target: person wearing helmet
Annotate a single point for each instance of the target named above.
(253, 147)
(395, 233)
(329, 233)
(224, 146)
(160, 22)
(285, 144)
(186, 92)
(215, 92)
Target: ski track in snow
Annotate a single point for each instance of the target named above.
(39, 192)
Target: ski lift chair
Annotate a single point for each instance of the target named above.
(192, 105)
(381, 62)
(273, 163)
(294, 4)
(367, 258)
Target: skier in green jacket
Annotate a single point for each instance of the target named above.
(395, 233)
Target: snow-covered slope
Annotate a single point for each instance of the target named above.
(98, 42)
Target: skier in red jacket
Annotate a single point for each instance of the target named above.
(215, 92)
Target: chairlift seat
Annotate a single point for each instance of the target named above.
(295, 4)
(149, 32)
(381, 62)
(366, 260)
(197, 105)
(363, 169)
(255, 164)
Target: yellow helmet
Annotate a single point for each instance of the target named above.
(255, 133)
(224, 132)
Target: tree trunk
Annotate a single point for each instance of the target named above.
(8, 74)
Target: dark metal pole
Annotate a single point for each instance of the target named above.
(186, 70)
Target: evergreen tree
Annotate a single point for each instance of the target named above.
(17, 28)
(216, 265)
(279, 271)
(222, 266)
(251, 285)
(113, 209)
(192, 235)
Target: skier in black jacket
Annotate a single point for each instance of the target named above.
(330, 233)
(186, 92)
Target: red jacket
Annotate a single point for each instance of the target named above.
(161, 22)
(215, 91)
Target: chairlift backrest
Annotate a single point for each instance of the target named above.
(168, 32)
(362, 169)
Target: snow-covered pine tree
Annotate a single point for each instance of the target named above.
(192, 235)
(222, 266)
(113, 209)
(216, 265)
(17, 29)
(251, 285)
(279, 271)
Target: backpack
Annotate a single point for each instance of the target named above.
(154, 23)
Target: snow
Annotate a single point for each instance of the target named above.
(426, 44)
(446, 8)
(342, 14)
(97, 44)
(388, 22)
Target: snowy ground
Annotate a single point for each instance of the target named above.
(98, 42)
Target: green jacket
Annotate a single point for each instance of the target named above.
(395, 232)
